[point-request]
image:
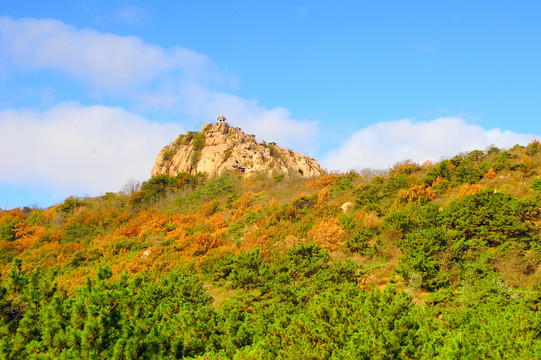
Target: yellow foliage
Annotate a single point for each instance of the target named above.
(468, 189)
(491, 174)
(238, 214)
(323, 196)
(216, 222)
(50, 212)
(26, 236)
(208, 208)
(9, 215)
(416, 193)
(405, 167)
(203, 242)
(287, 243)
(439, 180)
(328, 233)
(262, 242)
(322, 182)
(243, 201)
(178, 233)
(145, 223)
(75, 279)
(368, 219)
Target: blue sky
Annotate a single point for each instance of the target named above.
(92, 90)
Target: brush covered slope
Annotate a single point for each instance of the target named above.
(221, 149)
(431, 261)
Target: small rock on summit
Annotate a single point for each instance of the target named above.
(219, 149)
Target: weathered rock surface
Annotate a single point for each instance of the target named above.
(219, 149)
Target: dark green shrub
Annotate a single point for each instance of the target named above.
(304, 202)
(423, 260)
(70, 204)
(304, 261)
(441, 170)
(246, 269)
(493, 150)
(79, 234)
(7, 229)
(503, 160)
(189, 136)
(536, 184)
(358, 242)
(168, 154)
(492, 217)
(371, 196)
(533, 148)
(278, 178)
(345, 181)
(347, 222)
(476, 155)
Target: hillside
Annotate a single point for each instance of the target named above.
(432, 261)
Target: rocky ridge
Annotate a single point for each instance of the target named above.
(219, 149)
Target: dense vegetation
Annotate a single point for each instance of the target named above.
(431, 261)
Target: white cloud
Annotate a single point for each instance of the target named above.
(276, 124)
(128, 65)
(79, 149)
(105, 61)
(131, 15)
(383, 144)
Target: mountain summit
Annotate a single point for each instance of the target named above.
(220, 148)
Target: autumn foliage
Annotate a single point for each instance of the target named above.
(235, 267)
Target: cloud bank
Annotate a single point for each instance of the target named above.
(176, 80)
(79, 149)
(276, 124)
(383, 144)
(108, 62)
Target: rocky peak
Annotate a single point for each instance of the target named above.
(219, 149)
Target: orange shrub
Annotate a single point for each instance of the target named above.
(148, 222)
(405, 167)
(439, 180)
(243, 201)
(368, 219)
(216, 222)
(11, 215)
(491, 174)
(323, 196)
(323, 181)
(417, 193)
(533, 147)
(238, 214)
(328, 233)
(203, 242)
(468, 189)
(26, 236)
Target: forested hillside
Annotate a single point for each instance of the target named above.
(422, 261)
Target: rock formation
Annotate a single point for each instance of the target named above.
(219, 149)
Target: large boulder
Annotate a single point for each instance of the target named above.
(218, 149)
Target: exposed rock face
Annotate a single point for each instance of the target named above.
(219, 149)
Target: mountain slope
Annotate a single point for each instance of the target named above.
(428, 261)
